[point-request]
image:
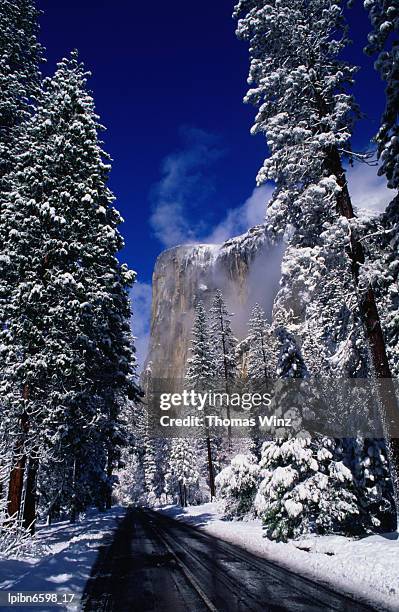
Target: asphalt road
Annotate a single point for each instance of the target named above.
(154, 563)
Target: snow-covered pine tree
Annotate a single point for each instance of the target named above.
(115, 368)
(299, 85)
(289, 398)
(67, 352)
(290, 363)
(261, 354)
(130, 478)
(200, 375)
(223, 340)
(237, 486)
(146, 444)
(201, 365)
(384, 245)
(150, 469)
(303, 490)
(20, 55)
(261, 365)
(368, 463)
(383, 251)
(130, 487)
(311, 484)
(224, 347)
(332, 342)
(153, 451)
(183, 476)
(384, 41)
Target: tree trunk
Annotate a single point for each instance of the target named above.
(108, 493)
(226, 377)
(16, 482)
(369, 313)
(210, 468)
(181, 494)
(371, 320)
(29, 516)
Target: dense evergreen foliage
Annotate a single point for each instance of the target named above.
(68, 366)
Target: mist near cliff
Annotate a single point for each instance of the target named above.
(260, 287)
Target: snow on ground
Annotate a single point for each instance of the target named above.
(366, 568)
(65, 564)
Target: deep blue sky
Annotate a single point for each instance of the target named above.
(160, 66)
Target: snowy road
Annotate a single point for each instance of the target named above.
(157, 563)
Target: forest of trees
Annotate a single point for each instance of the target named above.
(72, 413)
(336, 312)
(296, 483)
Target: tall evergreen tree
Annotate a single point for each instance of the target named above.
(384, 247)
(261, 345)
(224, 346)
(289, 398)
(200, 375)
(201, 366)
(183, 475)
(223, 341)
(67, 352)
(237, 486)
(20, 55)
(262, 349)
(384, 41)
(151, 450)
(310, 484)
(290, 364)
(299, 85)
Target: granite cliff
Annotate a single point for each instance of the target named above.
(244, 268)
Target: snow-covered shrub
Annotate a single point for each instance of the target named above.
(236, 486)
(182, 476)
(130, 484)
(16, 541)
(304, 490)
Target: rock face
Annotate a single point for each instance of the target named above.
(186, 273)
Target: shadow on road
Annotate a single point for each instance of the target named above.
(196, 520)
(147, 564)
(135, 572)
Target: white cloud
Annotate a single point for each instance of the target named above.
(185, 181)
(240, 219)
(141, 296)
(367, 189)
(170, 225)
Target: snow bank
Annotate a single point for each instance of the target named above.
(71, 550)
(366, 569)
